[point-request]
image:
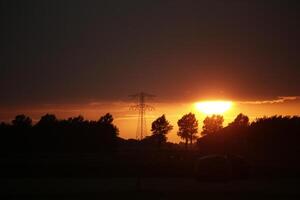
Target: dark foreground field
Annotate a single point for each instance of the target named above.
(146, 188)
(163, 175)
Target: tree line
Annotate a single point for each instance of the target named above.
(52, 146)
(50, 134)
(271, 143)
(78, 134)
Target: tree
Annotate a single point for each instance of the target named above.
(212, 124)
(76, 120)
(4, 125)
(188, 128)
(107, 126)
(22, 121)
(240, 121)
(106, 119)
(47, 121)
(160, 128)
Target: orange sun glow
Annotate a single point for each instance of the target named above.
(213, 107)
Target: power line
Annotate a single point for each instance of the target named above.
(141, 107)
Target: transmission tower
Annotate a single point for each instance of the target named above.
(141, 107)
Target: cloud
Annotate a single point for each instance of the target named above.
(281, 99)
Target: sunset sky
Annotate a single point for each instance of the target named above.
(78, 57)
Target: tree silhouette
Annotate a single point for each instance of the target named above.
(106, 123)
(4, 125)
(212, 124)
(188, 128)
(47, 121)
(106, 119)
(22, 121)
(240, 121)
(48, 126)
(160, 128)
(76, 120)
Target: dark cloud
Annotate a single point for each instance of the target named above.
(73, 51)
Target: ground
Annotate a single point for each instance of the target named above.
(147, 188)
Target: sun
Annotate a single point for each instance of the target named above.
(213, 107)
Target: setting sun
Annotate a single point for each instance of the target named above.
(213, 107)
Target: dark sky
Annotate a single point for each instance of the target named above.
(75, 51)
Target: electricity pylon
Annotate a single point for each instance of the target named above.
(141, 107)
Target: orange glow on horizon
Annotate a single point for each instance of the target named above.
(126, 120)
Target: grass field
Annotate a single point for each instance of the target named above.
(147, 188)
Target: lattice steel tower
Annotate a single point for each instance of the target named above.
(141, 107)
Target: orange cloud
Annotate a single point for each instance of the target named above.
(278, 100)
